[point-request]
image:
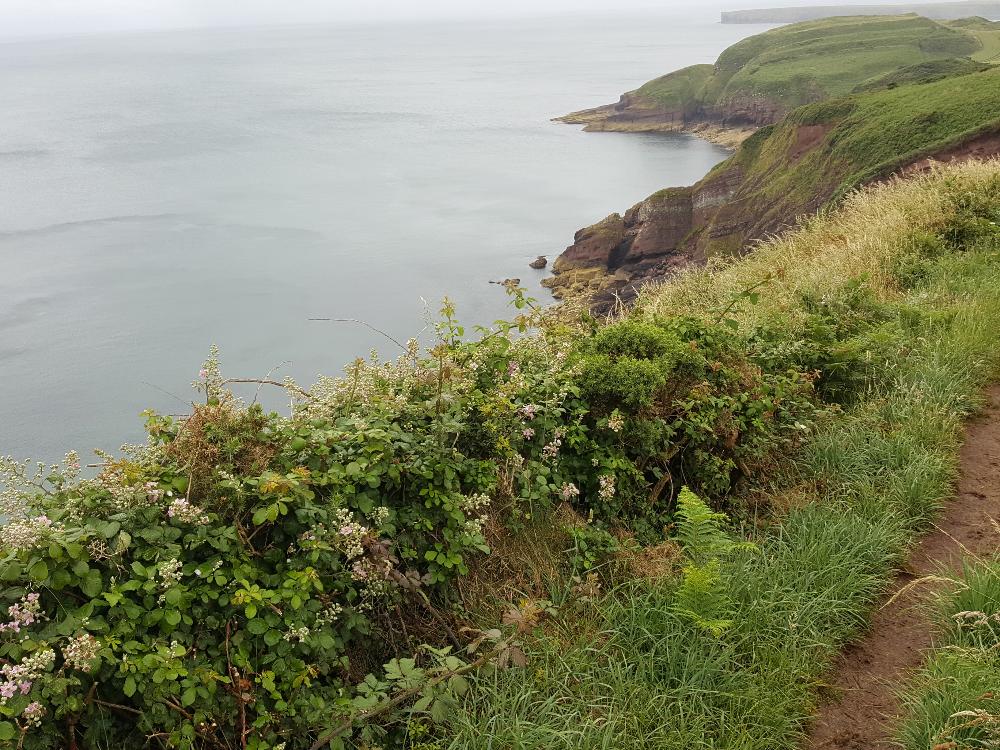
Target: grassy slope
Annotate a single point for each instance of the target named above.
(681, 89)
(986, 33)
(643, 677)
(925, 72)
(807, 62)
(866, 136)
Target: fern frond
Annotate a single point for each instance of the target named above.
(703, 598)
(700, 529)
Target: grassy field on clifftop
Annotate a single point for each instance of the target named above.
(807, 62)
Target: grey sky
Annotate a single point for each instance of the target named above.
(43, 17)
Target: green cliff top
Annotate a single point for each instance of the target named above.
(807, 62)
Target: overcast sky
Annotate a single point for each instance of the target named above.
(43, 17)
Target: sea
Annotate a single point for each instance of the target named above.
(161, 192)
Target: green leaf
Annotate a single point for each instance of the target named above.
(189, 696)
(257, 626)
(260, 516)
(60, 579)
(39, 571)
(11, 572)
(172, 617)
(91, 584)
(129, 687)
(272, 637)
(7, 731)
(173, 596)
(439, 711)
(250, 611)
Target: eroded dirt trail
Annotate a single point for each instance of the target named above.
(868, 673)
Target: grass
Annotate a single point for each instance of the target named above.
(954, 699)
(862, 137)
(678, 90)
(812, 61)
(628, 671)
(925, 72)
(986, 33)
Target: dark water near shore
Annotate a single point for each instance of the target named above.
(160, 192)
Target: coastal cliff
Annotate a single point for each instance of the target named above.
(783, 172)
(790, 161)
(759, 80)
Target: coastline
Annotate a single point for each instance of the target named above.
(583, 285)
(603, 120)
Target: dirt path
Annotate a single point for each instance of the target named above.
(868, 673)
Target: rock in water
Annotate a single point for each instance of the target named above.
(539, 262)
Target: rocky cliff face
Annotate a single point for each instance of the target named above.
(612, 259)
(609, 262)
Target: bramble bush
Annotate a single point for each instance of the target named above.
(236, 581)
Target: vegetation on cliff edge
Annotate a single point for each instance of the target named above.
(515, 498)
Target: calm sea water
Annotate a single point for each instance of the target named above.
(160, 192)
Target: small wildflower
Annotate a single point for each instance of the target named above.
(22, 614)
(351, 533)
(33, 714)
(329, 615)
(551, 450)
(81, 652)
(27, 533)
(607, 490)
(182, 510)
(296, 634)
(569, 491)
(169, 572)
(17, 676)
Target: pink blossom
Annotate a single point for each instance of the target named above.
(25, 688)
(528, 433)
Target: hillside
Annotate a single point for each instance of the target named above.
(652, 533)
(760, 79)
(810, 157)
(811, 13)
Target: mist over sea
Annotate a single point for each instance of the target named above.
(161, 192)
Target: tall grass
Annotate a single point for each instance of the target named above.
(954, 699)
(631, 673)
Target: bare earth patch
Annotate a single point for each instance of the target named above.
(868, 674)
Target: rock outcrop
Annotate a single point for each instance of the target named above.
(722, 215)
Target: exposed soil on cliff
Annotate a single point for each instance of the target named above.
(807, 138)
(863, 709)
(982, 147)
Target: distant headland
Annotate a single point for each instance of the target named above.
(941, 11)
